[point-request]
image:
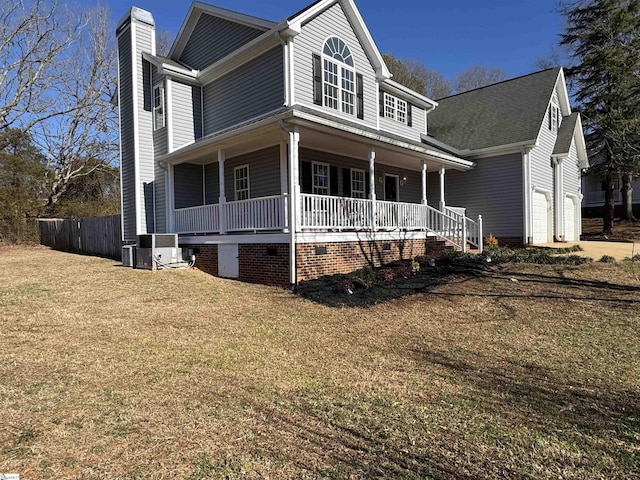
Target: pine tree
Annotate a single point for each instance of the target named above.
(604, 39)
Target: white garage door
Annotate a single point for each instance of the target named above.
(541, 212)
(569, 219)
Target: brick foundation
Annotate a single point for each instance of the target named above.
(511, 242)
(345, 257)
(207, 259)
(266, 263)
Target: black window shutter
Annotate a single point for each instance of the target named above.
(317, 79)
(306, 177)
(333, 180)
(346, 182)
(410, 115)
(381, 103)
(360, 95)
(550, 118)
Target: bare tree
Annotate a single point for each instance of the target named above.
(164, 40)
(435, 85)
(32, 38)
(81, 134)
(478, 76)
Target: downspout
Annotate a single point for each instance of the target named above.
(526, 195)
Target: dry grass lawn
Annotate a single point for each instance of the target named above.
(107, 372)
(622, 230)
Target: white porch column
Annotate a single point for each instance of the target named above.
(372, 186)
(223, 198)
(294, 200)
(171, 204)
(442, 204)
(423, 171)
(294, 179)
(284, 183)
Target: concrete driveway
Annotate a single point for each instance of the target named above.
(595, 250)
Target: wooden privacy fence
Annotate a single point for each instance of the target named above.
(91, 236)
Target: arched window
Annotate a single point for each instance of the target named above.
(339, 77)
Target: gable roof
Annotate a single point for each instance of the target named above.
(505, 113)
(195, 12)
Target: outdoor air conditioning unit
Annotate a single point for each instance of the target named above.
(157, 250)
(158, 240)
(128, 256)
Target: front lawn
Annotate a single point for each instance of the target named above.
(531, 371)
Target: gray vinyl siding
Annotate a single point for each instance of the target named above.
(255, 88)
(186, 114)
(144, 41)
(127, 139)
(214, 38)
(332, 22)
(211, 183)
(411, 192)
(413, 132)
(571, 174)
(264, 173)
(492, 189)
(188, 187)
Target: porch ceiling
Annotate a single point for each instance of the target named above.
(356, 147)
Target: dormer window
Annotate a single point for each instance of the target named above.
(336, 84)
(395, 108)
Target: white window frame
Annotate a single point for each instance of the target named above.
(555, 117)
(317, 188)
(356, 192)
(340, 94)
(241, 193)
(395, 108)
(159, 120)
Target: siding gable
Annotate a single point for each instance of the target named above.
(214, 38)
(332, 22)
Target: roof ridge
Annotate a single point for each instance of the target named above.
(501, 82)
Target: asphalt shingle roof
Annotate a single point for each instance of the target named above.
(500, 114)
(565, 134)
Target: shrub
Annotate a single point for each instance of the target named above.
(607, 259)
(415, 266)
(365, 277)
(491, 241)
(387, 275)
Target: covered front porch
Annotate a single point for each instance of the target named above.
(301, 178)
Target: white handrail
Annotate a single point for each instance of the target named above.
(200, 219)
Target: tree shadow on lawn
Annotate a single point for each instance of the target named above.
(593, 417)
(339, 291)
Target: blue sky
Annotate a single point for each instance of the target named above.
(447, 36)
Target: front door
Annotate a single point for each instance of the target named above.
(391, 188)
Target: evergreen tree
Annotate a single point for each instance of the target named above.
(604, 39)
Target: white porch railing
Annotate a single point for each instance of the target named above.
(203, 219)
(321, 212)
(263, 213)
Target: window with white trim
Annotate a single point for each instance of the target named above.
(555, 117)
(241, 182)
(158, 107)
(395, 108)
(339, 85)
(358, 183)
(320, 178)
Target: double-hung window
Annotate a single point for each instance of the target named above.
(358, 183)
(555, 117)
(158, 107)
(241, 182)
(320, 178)
(395, 108)
(339, 77)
